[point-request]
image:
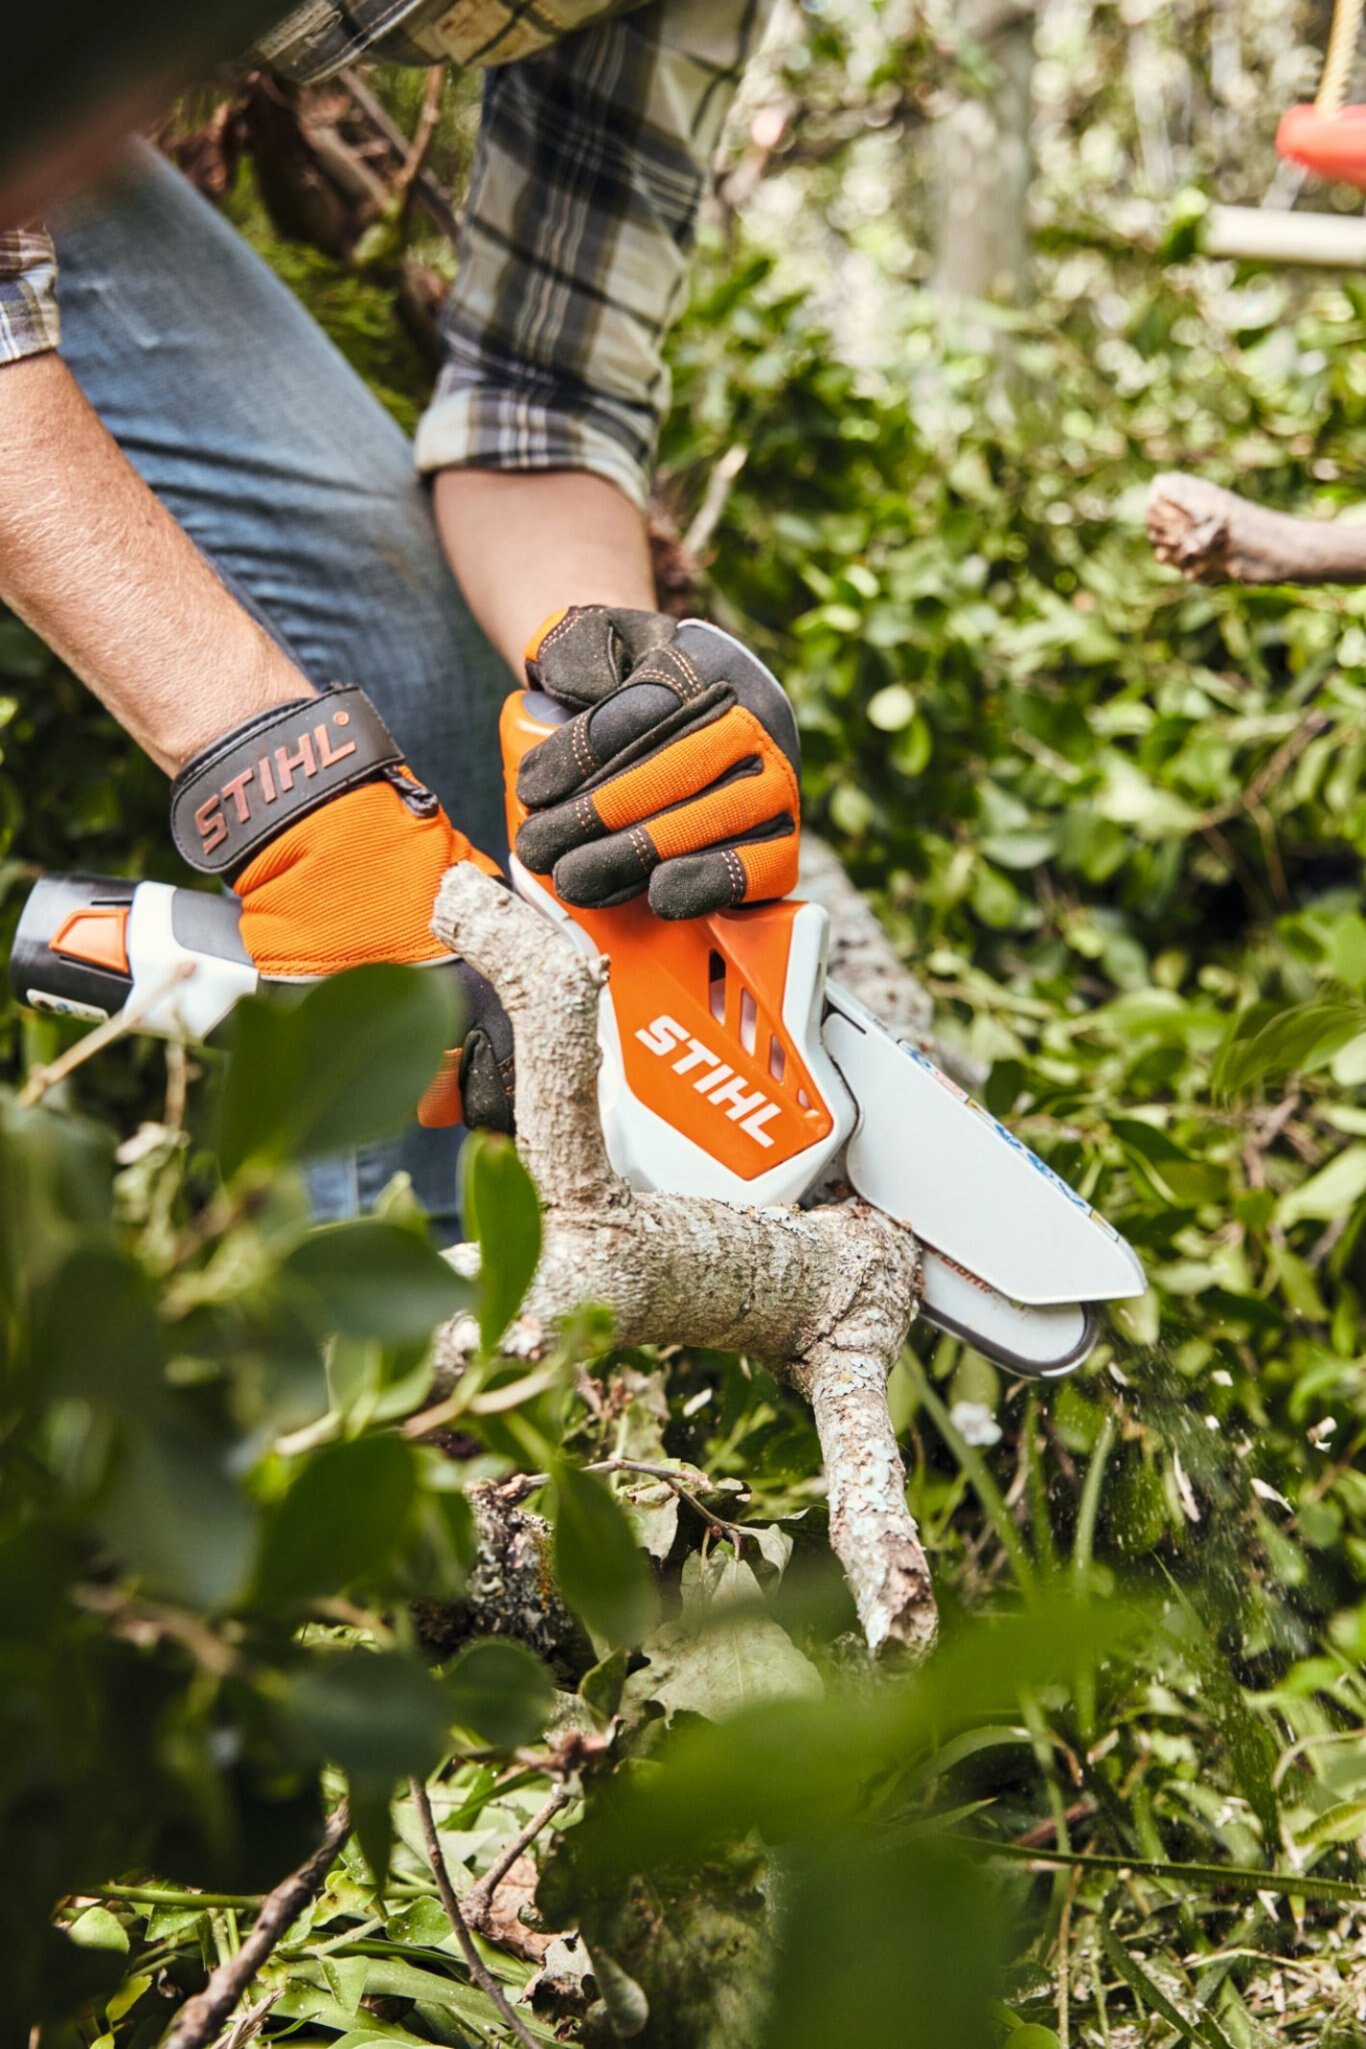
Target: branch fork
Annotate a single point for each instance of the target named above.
(823, 1296)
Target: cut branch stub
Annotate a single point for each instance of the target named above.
(1216, 536)
(823, 1296)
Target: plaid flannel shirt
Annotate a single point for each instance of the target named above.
(600, 119)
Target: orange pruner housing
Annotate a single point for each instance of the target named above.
(714, 1076)
(1331, 145)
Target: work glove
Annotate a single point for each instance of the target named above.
(336, 851)
(677, 774)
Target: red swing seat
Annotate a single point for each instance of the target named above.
(1332, 145)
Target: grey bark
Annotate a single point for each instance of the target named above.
(1216, 536)
(511, 1590)
(823, 1296)
(200, 2018)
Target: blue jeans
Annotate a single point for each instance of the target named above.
(299, 487)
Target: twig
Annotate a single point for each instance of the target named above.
(427, 120)
(174, 1896)
(495, 1403)
(527, 1483)
(1039, 1836)
(672, 1480)
(425, 188)
(1266, 1127)
(113, 1029)
(201, 2017)
(177, 1085)
(248, 2024)
(1238, 1877)
(143, 1623)
(708, 514)
(1269, 774)
(478, 1970)
(479, 1899)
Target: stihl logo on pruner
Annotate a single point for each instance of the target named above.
(719, 1084)
(273, 776)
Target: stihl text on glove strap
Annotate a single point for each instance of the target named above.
(244, 791)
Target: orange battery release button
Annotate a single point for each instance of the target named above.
(99, 937)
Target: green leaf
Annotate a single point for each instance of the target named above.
(342, 1520)
(54, 1189)
(798, 1769)
(724, 1653)
(1332, 1192)
(97, 1334)
(377, 1715)
(1297, 1040)
(891, 709)
(1340, 1824)
(1204, 2029)
(601, 1573)
(503, 1212)
(344, 1064)
(97, 1928)
(875, 1933)
(176, 1517)
(346, 1978)
(501, 1691)
(420, 1925)
(1127, 797)
(371, 1279)
(370, 1798)
(601, 1686)
(1174, 1175)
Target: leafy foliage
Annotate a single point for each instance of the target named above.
(1117, 825)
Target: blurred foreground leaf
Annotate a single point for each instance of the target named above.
(500, 1691)
(601, 1572)
(338, 1067)
(341, 1520)
(372, 1279)
(503, 1213)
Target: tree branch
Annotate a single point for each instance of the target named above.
(439, 209)
(478, 1970)
(200, 2018)
(1216, 536)
(479, 1899)
(823, 1296)
(510, 1590)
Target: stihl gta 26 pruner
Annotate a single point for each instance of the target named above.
(731, 1068)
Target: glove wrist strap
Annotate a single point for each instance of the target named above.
(235, 796)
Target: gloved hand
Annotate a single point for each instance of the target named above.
(336, 852)
(678, 774)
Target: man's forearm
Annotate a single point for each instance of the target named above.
(525, 543)
(92, 560)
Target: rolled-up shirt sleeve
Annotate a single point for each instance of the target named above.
(592, 165)
(29, 322)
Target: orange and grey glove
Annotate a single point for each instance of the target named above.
(337, 852)
(677, 774)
